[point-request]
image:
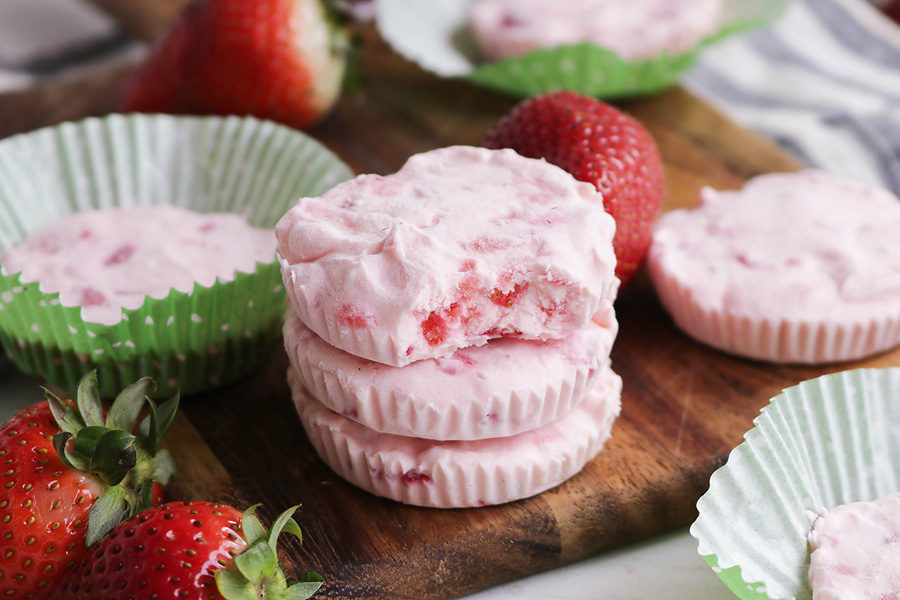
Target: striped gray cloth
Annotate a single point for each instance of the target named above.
(823, 82)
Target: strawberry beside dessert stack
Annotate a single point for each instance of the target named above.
(449, 326)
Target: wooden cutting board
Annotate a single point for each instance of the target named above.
(684, 405)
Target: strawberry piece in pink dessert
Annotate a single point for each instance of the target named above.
(635, 30)
(856, 552)
(108, 260)
(460, 246)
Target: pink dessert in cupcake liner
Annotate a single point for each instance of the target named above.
(797, 268)
(107, 260)
(635, 30)
(856, 552)
(500, 389)
(460, 474)
(460, 246)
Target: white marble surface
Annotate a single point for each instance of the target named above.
(660, 569)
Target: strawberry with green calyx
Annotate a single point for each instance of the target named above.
(190, 551)
(53, 498)
(127, 463)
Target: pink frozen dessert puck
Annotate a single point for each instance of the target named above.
(797, 268)
(502, 388)
(462, 473)
(856, 552)
(460, 246)
(107, 260)
(635, 30)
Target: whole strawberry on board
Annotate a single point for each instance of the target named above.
(70, 474)
(601, 145)
(282, 60)
(190, 551)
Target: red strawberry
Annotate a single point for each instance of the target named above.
(190, 551)
(69, 476)
(601, 145)
(276, 59)
(892, 10)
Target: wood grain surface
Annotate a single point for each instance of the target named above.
(684, 405)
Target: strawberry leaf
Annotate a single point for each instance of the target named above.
(257, 567)
(87, 397)
(284, 522)
(108, 511)
(234, 586)
(258, 562)
(308, 585)
(85, 441)
(149, 428)
(67, 419)
(145, 497)
(59, 443)
(163, 467)
(128, 404)
(253, 529)
(114, 456)
(165, 416)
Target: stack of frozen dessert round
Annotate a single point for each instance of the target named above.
(449, 326)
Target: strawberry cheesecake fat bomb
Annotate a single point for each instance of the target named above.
(502, 388)
(800, 267)
(460, 246)
(635, 30)
(108, 260)
(450, 325)
(856, 552)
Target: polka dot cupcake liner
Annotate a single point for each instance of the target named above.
(826, 442)
(198, 340)
(435, 35)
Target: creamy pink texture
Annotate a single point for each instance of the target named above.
(460, 246)
(462, 473)
(112, 259)
(805, 246)
(634, 29)
(502, 388)
(856, 552)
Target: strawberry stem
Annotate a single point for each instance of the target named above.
(128, 462)
(256, 573)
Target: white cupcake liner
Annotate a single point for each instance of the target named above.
(196, 340)
(436, 35)
(773, 338)
(461, 474)
(465, 412)
(826, 442)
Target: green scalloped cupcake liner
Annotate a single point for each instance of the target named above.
(433, 33)
(826, 442)
(198, 340)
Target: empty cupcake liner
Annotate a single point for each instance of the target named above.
(461, 474)
(463, 411)
(773, 338)
(434, 34)
(826, 442)
(197, 340)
